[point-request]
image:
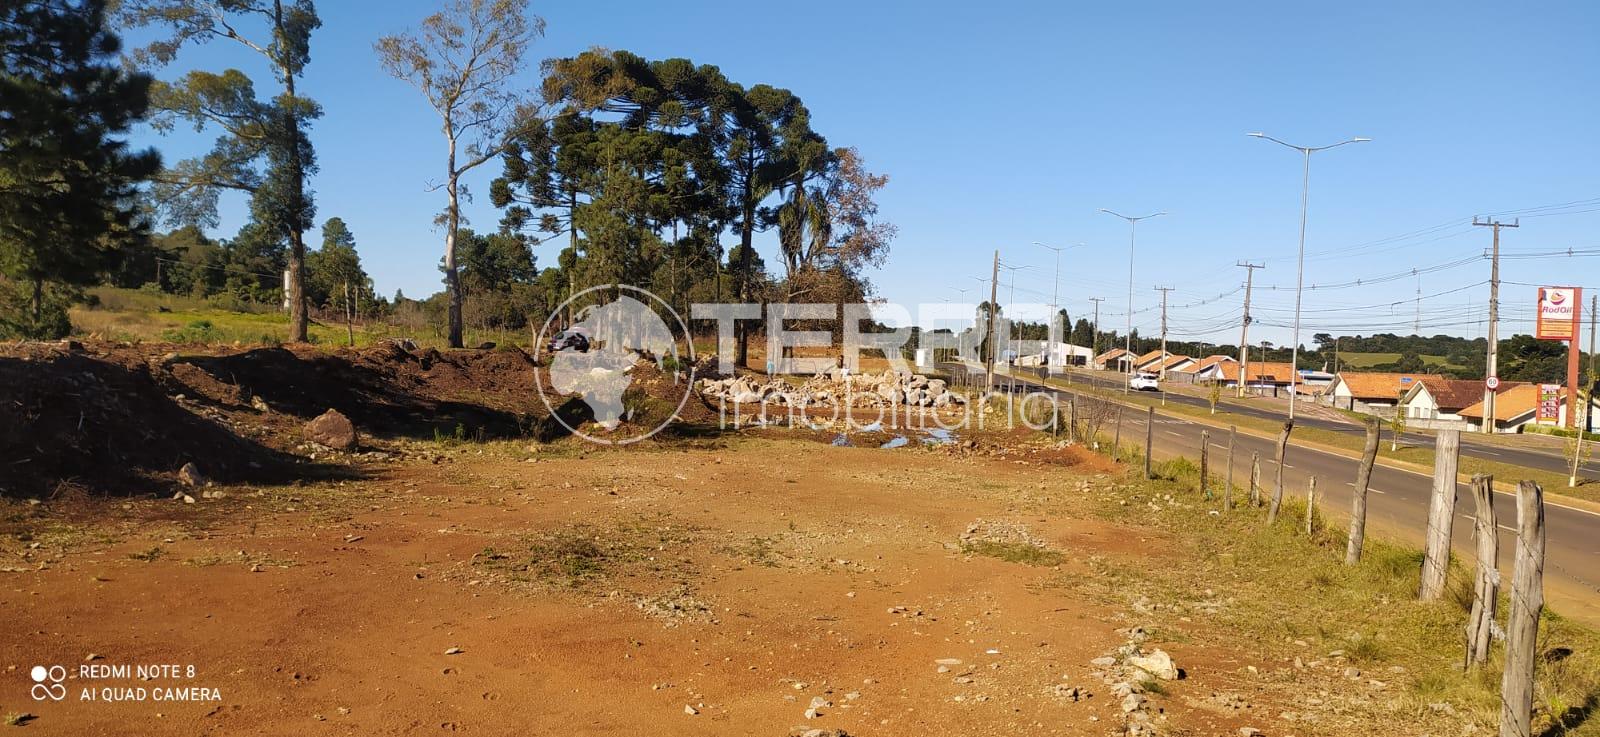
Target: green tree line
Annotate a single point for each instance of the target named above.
(655, 173)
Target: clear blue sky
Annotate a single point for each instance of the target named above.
(1002, 124)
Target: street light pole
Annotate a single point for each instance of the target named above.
(1055, 294)
(1133, 229)
(1300, 263)
(1016, 340)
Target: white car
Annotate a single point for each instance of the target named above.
(1144, 383)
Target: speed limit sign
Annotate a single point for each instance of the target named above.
(1493, 382)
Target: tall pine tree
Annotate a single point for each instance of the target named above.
(67, 182)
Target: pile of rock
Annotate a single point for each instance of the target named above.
(834, 388)
(1126, 670)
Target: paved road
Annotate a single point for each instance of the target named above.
(1397, 504)
(1469, 447)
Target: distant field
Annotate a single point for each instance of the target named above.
(128, 315)
(1367, 360)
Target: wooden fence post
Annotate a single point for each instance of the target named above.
(1116, 440)
(1255, 478)
(1227, 488)
(1072, 418)
(1358, 496)
(1527, 600)
(1486, 582)
(1277, 489)
(1311, 504)
(1149, 441)
(1205, 463)
(1441, 514)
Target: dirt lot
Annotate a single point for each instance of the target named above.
(761, 582)
(598, 595)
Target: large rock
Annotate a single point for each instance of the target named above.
(1158, 664)
(190, 476)
(332, 430)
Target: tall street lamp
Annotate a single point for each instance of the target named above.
(1133, 230)
(1055, 293)
(1300, 268)
(1016, 341)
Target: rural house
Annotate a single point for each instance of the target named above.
(1373, 393)
(1262, 377)
(1116, 358)
(1148, 361)
(1205, 370)
(1513, 407)
(1438, 398)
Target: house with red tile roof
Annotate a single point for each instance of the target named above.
(1114, 358)
(1203, 370)
(1438, 398)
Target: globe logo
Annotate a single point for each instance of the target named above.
(594, 358)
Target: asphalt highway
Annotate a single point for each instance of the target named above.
(1469, 446)
(1397, 505)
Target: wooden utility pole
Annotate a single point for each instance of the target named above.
(1094, 329)
(994, 295)
(1486, 580)
(1527, 601)
(1441, 514)
(1277, 486)
(1244, 328)
(1491, 369)
(1358, 496)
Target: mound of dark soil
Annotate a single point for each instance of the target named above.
(124, 419)
(385, 390)
(110, 427)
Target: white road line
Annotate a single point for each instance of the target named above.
(1378, 491)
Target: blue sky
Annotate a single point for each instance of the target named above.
(1001, 124)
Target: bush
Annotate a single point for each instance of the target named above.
(17, 319)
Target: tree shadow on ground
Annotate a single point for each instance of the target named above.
(76, 421)
(385, 392)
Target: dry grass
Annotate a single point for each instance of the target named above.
(1283, 587)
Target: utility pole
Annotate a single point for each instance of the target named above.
(1416, 327)
(1244, 330)
(1161, 373)
(1094, 329)
(994, 294)
(1491, 370)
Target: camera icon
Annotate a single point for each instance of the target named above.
(47, 683)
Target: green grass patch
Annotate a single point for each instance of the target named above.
(1014, 552)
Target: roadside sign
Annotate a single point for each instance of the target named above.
(1493, 382)
(1549, 404)
(1558, 313)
